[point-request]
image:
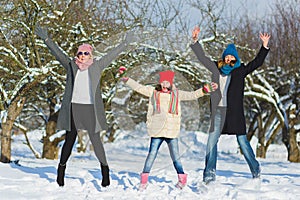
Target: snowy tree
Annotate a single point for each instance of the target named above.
(34, 78)
(32, 81)
(29, 70)
(18, 80)
(285, 73)
(272, 91)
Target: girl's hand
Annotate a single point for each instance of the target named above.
(209, 87)
(122, 73)
(124, 79)
(122, 70)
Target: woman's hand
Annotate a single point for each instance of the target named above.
(265, 37)
(41, 32)
(195, 33)
(130, 37)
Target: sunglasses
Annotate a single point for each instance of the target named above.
(86, 53)
(232, 62)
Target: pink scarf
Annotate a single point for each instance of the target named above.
(83, 66)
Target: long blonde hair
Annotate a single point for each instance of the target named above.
(222, 63)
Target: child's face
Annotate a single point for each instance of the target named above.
(166, 86)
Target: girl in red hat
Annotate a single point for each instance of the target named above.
(163, 119)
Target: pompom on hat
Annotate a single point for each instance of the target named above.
(166, 76)
(85, 48)
(230, 50)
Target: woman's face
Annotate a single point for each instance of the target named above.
(229, 59)
(83, 56)
(165, 86)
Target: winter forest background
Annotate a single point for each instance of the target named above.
(32, 81)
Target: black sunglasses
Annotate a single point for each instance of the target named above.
(232, 62)
(86, 53)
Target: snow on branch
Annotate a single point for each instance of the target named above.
(12, 51)
(59, 134)
(24, 130)
(3, 92)
(11, 55)
(36, 4)
(269, 99)
(267, 93)
(19, 85)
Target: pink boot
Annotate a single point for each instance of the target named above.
(181, 181)
(144, 180)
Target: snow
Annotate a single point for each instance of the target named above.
(30, 178)
(3, 116)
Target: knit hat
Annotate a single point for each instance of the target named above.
(166, 76)
(85, 48)
(230, 50)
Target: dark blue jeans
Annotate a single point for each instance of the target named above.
(153, 150)
(209, 173)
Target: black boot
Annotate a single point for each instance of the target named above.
(105, 175)
(61, 174)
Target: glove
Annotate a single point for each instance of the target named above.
(121, 74)
(41, 32)
(129, 38)
(122, 71)
(208, 88)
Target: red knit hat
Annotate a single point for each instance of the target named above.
(85, 47)
(166, 76)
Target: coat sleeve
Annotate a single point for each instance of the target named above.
(257, 61)
(142, 89)
(188, 96)
(58, 53)
(106, 60)
(207, 62)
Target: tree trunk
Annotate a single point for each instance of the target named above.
(13, 112)
(252, 127)
(260, 150)
(293, 154)
(83, 141)
(293, 150)
(50, 148)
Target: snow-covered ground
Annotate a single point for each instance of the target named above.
(32, 178)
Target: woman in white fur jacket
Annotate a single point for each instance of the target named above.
(163, 119)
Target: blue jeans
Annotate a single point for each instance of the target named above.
(153, 150)
(209, 173)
